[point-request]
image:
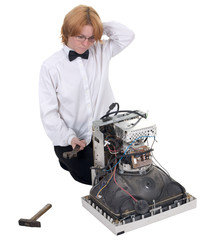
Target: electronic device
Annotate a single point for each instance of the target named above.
(130, 189)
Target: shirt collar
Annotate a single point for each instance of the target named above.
(66, 49)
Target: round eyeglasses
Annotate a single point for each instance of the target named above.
(82, 38)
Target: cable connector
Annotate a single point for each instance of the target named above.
(112, 106)
(106, 143)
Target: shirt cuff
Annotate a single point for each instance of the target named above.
(70, 139)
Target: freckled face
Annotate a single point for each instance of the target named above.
(81, 46)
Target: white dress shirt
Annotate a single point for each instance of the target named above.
(74, 94)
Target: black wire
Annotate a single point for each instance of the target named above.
(112, 106)
(117, 109)
(126, 111)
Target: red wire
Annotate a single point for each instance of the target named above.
(123, 188)
(115, 178)
(114, 151)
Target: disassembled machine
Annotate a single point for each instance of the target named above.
(130, 189)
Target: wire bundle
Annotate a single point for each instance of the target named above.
(113, 174)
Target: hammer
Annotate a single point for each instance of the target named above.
(32, 221)
(72, 153)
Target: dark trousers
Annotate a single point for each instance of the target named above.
(79, 167)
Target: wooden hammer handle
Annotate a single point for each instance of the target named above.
(41, 212)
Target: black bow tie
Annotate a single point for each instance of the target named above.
(73, 55)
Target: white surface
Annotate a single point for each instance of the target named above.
(159, 72)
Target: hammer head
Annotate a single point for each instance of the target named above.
(29, 223)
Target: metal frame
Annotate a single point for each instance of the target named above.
(118, 227)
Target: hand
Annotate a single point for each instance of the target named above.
(75, 141)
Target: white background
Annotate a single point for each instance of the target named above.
(159, 72)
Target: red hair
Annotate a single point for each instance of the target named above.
(77, 18)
